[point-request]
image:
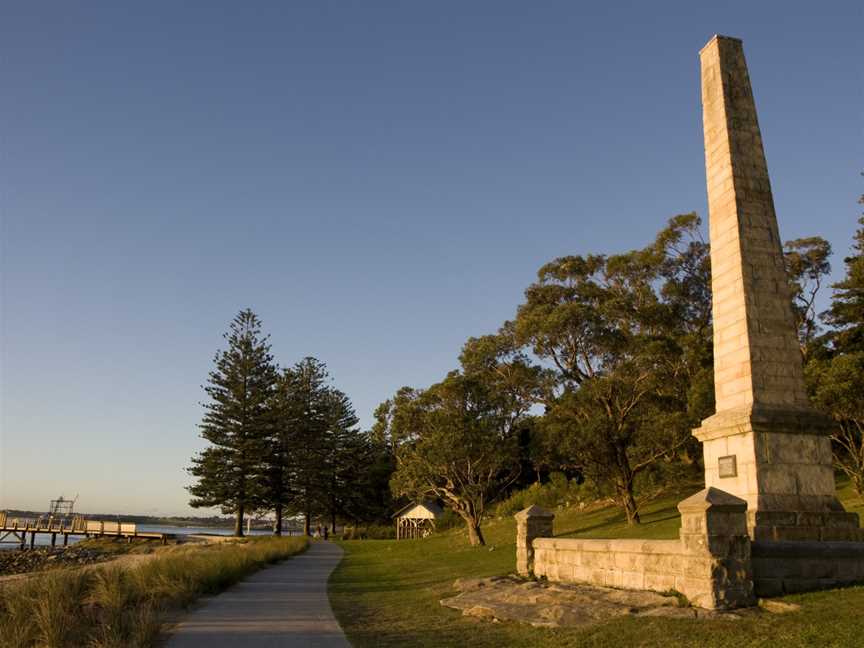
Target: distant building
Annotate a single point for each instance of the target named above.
(417, 520)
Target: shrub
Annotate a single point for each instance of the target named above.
(558, 491)
(448, 520)
(369, 532)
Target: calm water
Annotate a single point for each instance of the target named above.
(44, 539)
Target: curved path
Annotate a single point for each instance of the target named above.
(284, 605)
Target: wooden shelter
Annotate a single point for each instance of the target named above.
(416, 520)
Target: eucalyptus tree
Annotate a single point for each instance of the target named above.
(807, 266)
(628, 338)
(458, 440)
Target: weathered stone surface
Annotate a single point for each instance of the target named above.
(755, 345)
(534, 512)
(779, 607)
(765, 444)
(554, 605)
(712, 499)
(709, 564)
(790, 567)
(531, 523)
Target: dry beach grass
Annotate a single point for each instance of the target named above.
(116, 606)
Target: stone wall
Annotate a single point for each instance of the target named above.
(713, 562)
(659, 565)
(709, 563)
(791, 567)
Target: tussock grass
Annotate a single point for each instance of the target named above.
(115, 607)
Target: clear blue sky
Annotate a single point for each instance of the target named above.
(378, 181)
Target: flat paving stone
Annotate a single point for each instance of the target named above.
(285, 605)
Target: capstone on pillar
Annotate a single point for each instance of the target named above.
(716, 550)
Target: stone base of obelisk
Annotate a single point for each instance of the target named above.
(779, 460)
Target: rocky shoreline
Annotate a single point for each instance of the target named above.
(17, 561)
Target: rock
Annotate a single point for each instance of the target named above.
(16, 561)
(778, 607)
(479, 611)
(469, 584)
(553, 605)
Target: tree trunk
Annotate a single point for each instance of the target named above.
(475, 535)
(238, 521)
(625, 485)
(307, 524)
(277, 527)
(628, 501)
(858, 484)
(333, 522)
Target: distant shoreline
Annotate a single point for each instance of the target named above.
(214, 522)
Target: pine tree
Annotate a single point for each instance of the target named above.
(308, 420)
(847, 310)
(280, 470)
(236, 423)
(343, 456)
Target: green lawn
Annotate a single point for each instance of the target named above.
(386, 593)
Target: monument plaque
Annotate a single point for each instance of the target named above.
(727, 466)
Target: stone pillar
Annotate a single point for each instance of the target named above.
(716, 548)
(532, 522)
(764, 444)
(756, 345)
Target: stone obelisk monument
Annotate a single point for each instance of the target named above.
(765, 444)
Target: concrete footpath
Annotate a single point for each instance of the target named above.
(284, 605)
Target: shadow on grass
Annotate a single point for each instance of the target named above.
(635, 530)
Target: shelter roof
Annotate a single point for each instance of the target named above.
(429, 505)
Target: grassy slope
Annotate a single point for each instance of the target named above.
(386, 593)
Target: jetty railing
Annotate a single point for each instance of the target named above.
(17, 528)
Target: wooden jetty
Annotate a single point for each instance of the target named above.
(18, 528)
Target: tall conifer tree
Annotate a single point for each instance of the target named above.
(308, 420)
(236, 423)
(343, 457)
(847, 310)
(280, 471)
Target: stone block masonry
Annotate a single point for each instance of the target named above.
(765, 444)
(791, 567)
(713, 562)
(532, 522)
(709, 563)
(755, 344)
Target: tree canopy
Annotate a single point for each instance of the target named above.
(278, 440)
